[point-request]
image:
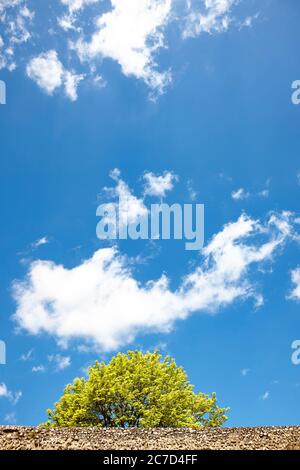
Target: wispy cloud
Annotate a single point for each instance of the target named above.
(249, 20)
(191, 190)
(11, 418)
(265, 192)
(68, 21)
(39, 368)
(295, 292)
(15, 24)
(60, 362)
(240, 194)
(40, 241)
(13, 397)
(265, 396)
(213, 17)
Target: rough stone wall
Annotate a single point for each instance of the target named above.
(13, 437)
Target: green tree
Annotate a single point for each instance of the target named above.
(135, 390)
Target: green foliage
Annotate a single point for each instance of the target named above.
(135, 390)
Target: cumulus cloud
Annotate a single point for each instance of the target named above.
(49, 73)
(102, 302)
(159, 185)
(131, 33)
(295, 293)
(13, 397)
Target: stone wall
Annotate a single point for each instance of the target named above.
(13, 437)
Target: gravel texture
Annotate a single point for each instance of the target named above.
(30, 438)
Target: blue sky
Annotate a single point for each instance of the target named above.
(199, 94)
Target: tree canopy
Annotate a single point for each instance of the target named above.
(135, 390)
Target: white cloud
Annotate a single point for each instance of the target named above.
(39, 368)
(60, 362)
(26, 13)
(265, 396)
(215, 18)
(158, 185)
(18, 26)
(8, 4)
(13, 397)
(49, 73)
(131, 34)
(15, 21)
(100, 300)
(295, 293)
(71, 83)
(68, 20)
(75, 5)
(240, 194)
(40, 241)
